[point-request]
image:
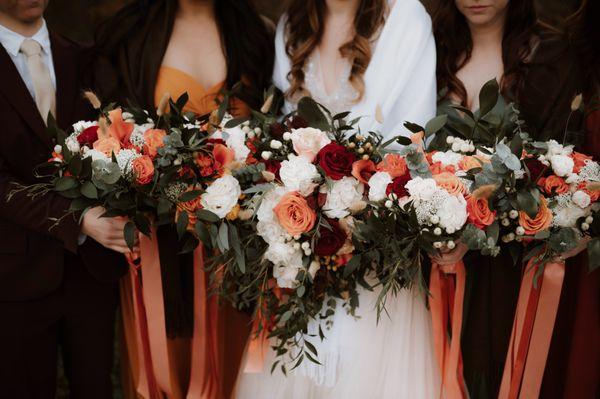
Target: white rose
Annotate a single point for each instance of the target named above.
(447, 158)
(453, 213)
(298, 174)
(222, 196)
(378, 185)
(343, 195)
(307, 142)
(562, 165)
(581, 199)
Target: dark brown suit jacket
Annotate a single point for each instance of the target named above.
(32, 254)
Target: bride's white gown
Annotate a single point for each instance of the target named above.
(362, 358)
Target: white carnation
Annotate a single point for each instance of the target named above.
(287, 262)
(447, 158)
(270, 200)
(343, 195)
(453, 213)
(222, 195)
(562, 165)
(378, 185)
(581, 199)
(298, 174)
(72, 144)
(421, 189)
(271, 232)
(567, 216)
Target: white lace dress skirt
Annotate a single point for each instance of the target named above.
(361, 359)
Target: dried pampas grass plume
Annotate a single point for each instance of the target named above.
(378, 114)
(93, 99)
(484, 192)
(162, 104)
(267, 104)
(576, 103)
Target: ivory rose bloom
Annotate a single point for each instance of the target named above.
(540, 222)
(449, 182)
(307, 142)
(479, 212)
(294, 214)
(143, 169)
(343, 196)
(107, 145)
(562, 165)
(153, 140)
(222, 195)
(393, 164)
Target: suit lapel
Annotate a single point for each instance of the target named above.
(13, 88)
(65, 60)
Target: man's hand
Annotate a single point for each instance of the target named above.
(451, 256)
(106, 231)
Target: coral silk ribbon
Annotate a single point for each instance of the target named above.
(532, 331)
(446, 303)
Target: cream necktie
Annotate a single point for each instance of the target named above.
(45, 96)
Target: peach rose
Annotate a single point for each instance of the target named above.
(119, 129)
(223, 157)
(143, 169)
(294, 214)
(579, 160)
(449, 182)
(107, 145)
(471, 162)
(436, 168)
(479, 213)
(153, 139)
(552, 184)
(393, 164)
(362, 170)
(540, 222)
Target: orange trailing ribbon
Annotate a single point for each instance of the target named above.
(447, 288)
(159, 365)
(533, 325)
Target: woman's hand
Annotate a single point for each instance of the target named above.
(450, 256)
(581, 246)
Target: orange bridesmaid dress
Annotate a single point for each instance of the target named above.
(227, 329)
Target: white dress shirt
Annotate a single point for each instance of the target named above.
(12, 42)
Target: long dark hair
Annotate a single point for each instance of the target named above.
(305, 27)
(246, 40)
(454, 46)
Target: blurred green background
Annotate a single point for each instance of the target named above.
(78, 19)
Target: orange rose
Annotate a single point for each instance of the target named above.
(471, 162)
(436, 168)
(153, 139)
(479, 212)
(554, 184)
(223, 156)
(393, 164)
(449, 182)
(190, 207)
(143, 169)
(107, 145)
(119, 129)
(579, 160)
(363, 169)
(294, 213)
(540, 222)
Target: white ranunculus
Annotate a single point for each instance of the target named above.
(287, 262)
(343, 195)
(222, 195)
(567, 216)
(270, 231)
(453, 213)
(307, 142)
(72, 144)
(562, 165)
(378, 185)
(447, 158)
(581, 199)
(298, 174)
(421, 189)
(270, 200)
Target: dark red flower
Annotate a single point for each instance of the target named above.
(398, 185)
(88, 137)
(536, 168)
(297, 122)
(336, 161)
(277, 130)
(273, 167)
(330, 240)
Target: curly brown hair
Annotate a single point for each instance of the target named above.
(454, 45)
(304, 30)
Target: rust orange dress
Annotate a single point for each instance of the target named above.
(227, 328)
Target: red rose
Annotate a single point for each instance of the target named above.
(273, 167)
(330, 240)
(277, 130)
(297, 122)
(397, 186)
(536, 168)
(88, 136)
(336, 161)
